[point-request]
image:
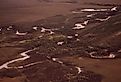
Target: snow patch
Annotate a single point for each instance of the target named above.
(51, 32)
(78, 26)
(76, 12)
(69, 37)
(98, 19)
(114, 9)
(60, 43)
(85, 22)
(35, 28)
(9, 28)
(20, 34)
(90, 15)
(119, 50)
(76, 34)
(79, 69)
(77, 39)
(111, 56)
(47, 30)
(0, 29)
(94, 10)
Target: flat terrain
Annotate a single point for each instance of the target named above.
(60, 41)
(24, 11)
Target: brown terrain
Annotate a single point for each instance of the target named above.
(60, 41)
